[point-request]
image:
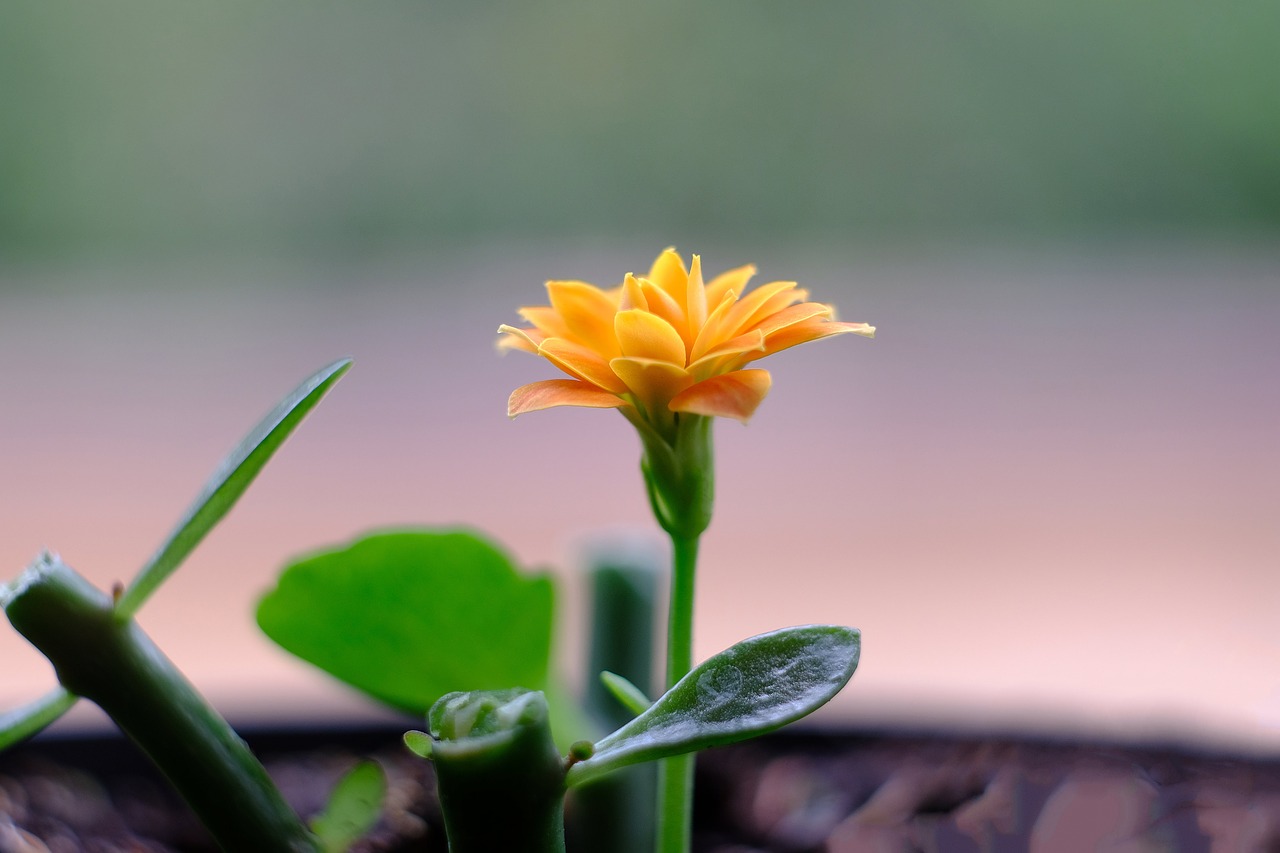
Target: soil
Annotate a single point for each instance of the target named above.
(790, 793)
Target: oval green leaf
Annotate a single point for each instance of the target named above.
(751, 688)
(409, 616)
(419, 743)
(228, 483)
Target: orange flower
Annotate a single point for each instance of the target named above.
(666, 343)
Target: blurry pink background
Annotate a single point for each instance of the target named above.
(1048, 492)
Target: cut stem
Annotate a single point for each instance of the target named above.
(113, 663)
(502, 789)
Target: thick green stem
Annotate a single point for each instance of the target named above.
(675, 775)
(617, 814)
(500, 778)
(113, 663)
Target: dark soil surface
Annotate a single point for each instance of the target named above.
(791, 793)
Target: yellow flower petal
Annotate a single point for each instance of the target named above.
(587, 312)
(808, 330)
(695, 302)
(559, 392)
(632, 295)
(545, 319)
(756, 305)
(661, 303)
(581, 362)
(730, 395)
(732, 281)
(653, 382)
(668, 272)
(711, 333)
(525, 340)
(866, 330)
(645, 335)
(795, 314)
(719, 359)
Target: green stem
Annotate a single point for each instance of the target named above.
(618, 814)
(113, 663)
(503, 789)
(680, 624)
(675, 775)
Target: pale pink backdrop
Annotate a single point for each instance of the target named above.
(1048, 492)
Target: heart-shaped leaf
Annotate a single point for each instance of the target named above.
(228, 483)
(409, 616)
(751, 688)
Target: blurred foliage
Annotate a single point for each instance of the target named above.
(355, 126)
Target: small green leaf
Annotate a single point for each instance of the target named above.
(750, 688)
(412, 615)
(21, 723)
(227, 484)
(631, 697)
(353, 808)
(419, 743)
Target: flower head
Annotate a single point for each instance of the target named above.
(666, 343)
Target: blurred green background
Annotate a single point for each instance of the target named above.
(351, 128)
(1063, 218)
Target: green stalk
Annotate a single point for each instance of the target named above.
(498, 773)
(675, 775)
(679, 476)
(113, 663)
(617, 814)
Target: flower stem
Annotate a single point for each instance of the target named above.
(680, 626)
(675, 775)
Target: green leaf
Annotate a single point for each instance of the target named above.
(419, 743)
(631, 697)
(228, 483)
(751, 688)
(409, 616)
(21, 723)
(353, 808)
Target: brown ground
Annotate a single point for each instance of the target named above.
(790, 794)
